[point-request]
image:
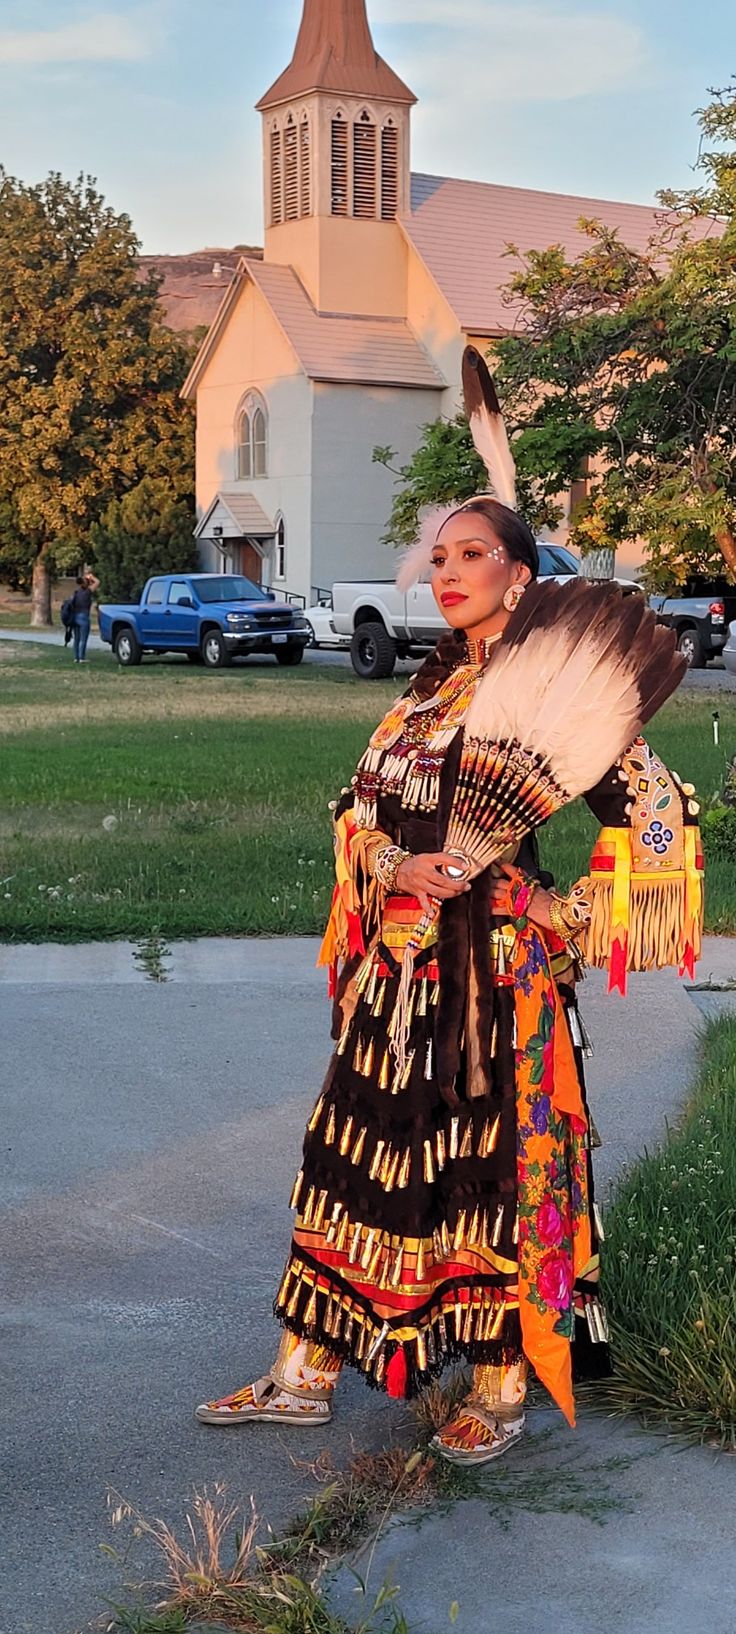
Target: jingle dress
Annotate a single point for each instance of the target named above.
(443, 1217)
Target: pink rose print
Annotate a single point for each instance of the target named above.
(550, 1224)
(555, 1280)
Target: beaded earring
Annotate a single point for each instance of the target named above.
(512, 597)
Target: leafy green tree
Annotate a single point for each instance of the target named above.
(623, 366)
(148, 531)
(89, 378)
(445, 468)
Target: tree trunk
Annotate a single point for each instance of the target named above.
(726, 542)
(41, 593)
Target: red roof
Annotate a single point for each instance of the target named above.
(462, 231)
(335, 52)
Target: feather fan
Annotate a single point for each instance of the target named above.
(578, 671)
(487, 426)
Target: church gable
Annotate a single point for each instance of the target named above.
(246, 343)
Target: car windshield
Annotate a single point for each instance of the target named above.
(555, 559)
(228, 587)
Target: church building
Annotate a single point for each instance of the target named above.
(349, 333)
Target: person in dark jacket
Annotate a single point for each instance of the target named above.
(82, 601)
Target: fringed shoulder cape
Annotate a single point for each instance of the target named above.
(447, 1210)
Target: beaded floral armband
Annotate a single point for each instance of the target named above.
(386, 865)
(570, 915)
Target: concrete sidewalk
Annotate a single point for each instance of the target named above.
(150, 1135)
(49, 638)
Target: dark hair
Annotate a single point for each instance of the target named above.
(80, 578)
(521, 545)
(510, 528)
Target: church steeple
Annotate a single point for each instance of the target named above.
(336, 135)
(335, 52)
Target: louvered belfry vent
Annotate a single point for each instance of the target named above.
(305, 169)
(339, 167)
(276, 207)
(291, 173)
(389, 172)
(364, 168)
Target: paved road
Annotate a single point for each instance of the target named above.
(149, 1137)
(713, 679)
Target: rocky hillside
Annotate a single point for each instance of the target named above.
(193, 285)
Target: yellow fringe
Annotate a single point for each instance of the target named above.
(659, 924)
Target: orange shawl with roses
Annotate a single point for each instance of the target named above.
(552, 1173)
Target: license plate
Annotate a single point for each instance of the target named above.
(276, 638)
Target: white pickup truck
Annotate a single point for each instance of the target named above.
(385, 625)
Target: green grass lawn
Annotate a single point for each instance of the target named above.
(193, 802)
(670, 1264)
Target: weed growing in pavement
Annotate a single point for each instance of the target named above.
(151, 955)
(217, 1577)
(670, 1265)
(221, 1575)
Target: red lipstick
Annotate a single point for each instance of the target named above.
(451, 598)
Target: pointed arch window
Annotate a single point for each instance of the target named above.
(276, 199)
(251, 449)
(339, 166)
(280, 553)
(305, 167)
(364, 167)
(291, 171)
(389, 172)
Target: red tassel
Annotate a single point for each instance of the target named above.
(397, 1375)
(332, 980)
(617, 967)
(687, 968)
(356, 944)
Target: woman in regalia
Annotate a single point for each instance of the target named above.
(445, 1203)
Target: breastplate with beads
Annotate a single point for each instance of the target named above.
(406, 753)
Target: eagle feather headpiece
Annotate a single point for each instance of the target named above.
(491, 443)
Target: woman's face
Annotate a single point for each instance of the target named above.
(471, 572)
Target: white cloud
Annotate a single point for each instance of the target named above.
(99, 38)
(527, 52)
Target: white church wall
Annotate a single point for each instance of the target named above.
(351, 497)
(434, 322)
(253, 355)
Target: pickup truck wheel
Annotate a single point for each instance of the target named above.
(373, 652)
(691, 647)
(289, 655)
(128, 648)
(214, 650)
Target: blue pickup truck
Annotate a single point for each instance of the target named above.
(212, 617)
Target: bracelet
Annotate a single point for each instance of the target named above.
(521, 893)
(568, 915)
(557, 919)
(386, 865)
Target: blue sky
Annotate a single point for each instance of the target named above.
(155, 97)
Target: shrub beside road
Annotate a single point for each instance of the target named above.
(196, 803)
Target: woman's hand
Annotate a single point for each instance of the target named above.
(424, 876)
(538, 910)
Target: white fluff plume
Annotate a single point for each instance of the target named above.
(415, 562)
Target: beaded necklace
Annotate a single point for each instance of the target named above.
(407, 750)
